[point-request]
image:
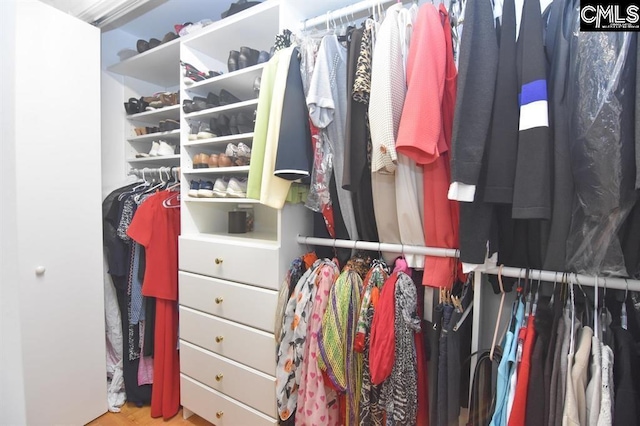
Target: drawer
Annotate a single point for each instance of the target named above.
(245, 384)
(238, 342)
(241, 303)
(244, 261)
(218, 408)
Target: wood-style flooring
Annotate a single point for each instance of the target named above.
(132, 415)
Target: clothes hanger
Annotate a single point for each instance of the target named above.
(495, 330)
(133, 190)
(572, 310)
(624, 321)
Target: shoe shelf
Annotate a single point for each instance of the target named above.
(221, 200)
(160, 65)
(249, 105)
(153, 117)
(255, 27)
(239, 82)
(173, 135)
(222, 140)
(159, 161)
(237, 170)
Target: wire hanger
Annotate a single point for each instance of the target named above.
(495, 331)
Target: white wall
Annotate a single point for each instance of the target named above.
(12, 398)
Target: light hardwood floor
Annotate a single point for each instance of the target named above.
(132, 415)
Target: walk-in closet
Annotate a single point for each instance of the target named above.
(320, 213)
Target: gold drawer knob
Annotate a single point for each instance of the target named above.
(219, 414)
(218, 260)
(219, 377)
(219, 300)
(219, 339)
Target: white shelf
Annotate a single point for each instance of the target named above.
(212, 112)
(267, 238)
(255, 27)
(222, 140)
(217, 171)
(240, 83)
(160, 65)
(163, 160)
(221, 200)
(172, 112)
(168, 136)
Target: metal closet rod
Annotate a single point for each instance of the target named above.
(535, 274)
(349, 11)
(149, 172)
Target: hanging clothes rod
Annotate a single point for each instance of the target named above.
(156, 173)
(535, 274)
(354, 11)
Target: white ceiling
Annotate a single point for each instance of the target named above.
(150, 18)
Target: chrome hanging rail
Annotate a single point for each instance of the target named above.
(159, 173)
(354, 11)
(550, 276)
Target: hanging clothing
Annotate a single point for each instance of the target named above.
(594, 388)
(385, 109)
(400, 390)
(327, 102)
(382, 343)
(317, 403)
(519, 410)
(425, 141)
(337, 358)
(157, 228)
(605, 418)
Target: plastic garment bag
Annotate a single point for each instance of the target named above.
(601, 91)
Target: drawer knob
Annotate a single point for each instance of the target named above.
(219, 377)
(219, 414)
(219, 300)
(219, 339)
(218, 260)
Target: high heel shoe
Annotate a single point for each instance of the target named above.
(245, 123)
(232, 62)
(233, 124)
(227, 98)
(213, 99)
(247, 57)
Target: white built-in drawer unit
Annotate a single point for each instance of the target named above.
(248, 305)
(249, 263)
(245, 384)
(218, 408)
(238, 342)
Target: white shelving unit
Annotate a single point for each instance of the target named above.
(169, 112)
(159, 161)
(243, 106)
(219, 141)
(159, 66)
(173, 135)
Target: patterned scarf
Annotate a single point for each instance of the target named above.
(290, 352)
(400, 390)
(371, 412)
(297, 268)
(342, 364)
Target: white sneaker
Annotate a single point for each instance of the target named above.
(237, 188)
(220, 188)
(155, 147)
(165, 149)
(193, 131)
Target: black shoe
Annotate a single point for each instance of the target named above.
(132, 107)
(263, 56)
(245, 123)
(142, 46)
(233, 125)
(227, 98)
(223, 125)
(232, 62)
(200, 103)
(213, 99)
(187, 106)
(154, 42)
(213, 125)
(248, 57)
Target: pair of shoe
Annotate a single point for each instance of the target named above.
(200, 131)
(240, 154)
(158, 149)
(191, 74)
(143, 45)
(246, 57)
(205, 161)
(168, 125)
(223, 188)
(190, 27)
(223, 125)
(200, 103)
(140, 131)
(161, 100)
